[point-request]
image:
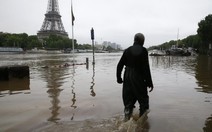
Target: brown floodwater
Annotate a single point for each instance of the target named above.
(84, 98)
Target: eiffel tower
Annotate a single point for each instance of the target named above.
(52, 23)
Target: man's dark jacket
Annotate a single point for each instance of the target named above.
(135, 58)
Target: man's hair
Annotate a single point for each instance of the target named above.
(139, 38)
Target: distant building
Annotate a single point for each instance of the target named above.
(105, 43)
(113, 45)
(99, 46)
(119, 46)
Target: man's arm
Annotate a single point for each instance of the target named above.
(120, 68)
(147, 71)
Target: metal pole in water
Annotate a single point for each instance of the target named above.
(92, 38)
(73, 18)
(87, 63)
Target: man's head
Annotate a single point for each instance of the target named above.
(139, 38)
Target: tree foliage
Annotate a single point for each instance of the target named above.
(205, 29)
(29, 42)
(193, 41)
(57, 42)
(14, 40)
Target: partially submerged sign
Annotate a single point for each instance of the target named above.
(14, 78)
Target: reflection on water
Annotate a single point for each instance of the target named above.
(53, 94)
(201, 67)
(204, 74)
(93, 82)
(54, 77)
(208, 125)
(179, 63)
(14, 86)
(72, 91)
(53, 84)
(204, 81)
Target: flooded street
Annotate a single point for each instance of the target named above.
(80, 98)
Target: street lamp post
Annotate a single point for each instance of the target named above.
(92, 38)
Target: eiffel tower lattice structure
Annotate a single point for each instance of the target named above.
(52, 23)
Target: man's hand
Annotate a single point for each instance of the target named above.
(151, 88)
(119, 81)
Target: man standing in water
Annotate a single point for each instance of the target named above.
(137, 77)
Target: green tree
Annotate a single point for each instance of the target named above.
(33, 42)
(12, 40)
(205, 30)
(29, 42)
(193, 41)
(22, 40)
(58, 42)
(3, 37)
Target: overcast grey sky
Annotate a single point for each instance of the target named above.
(113, 20)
